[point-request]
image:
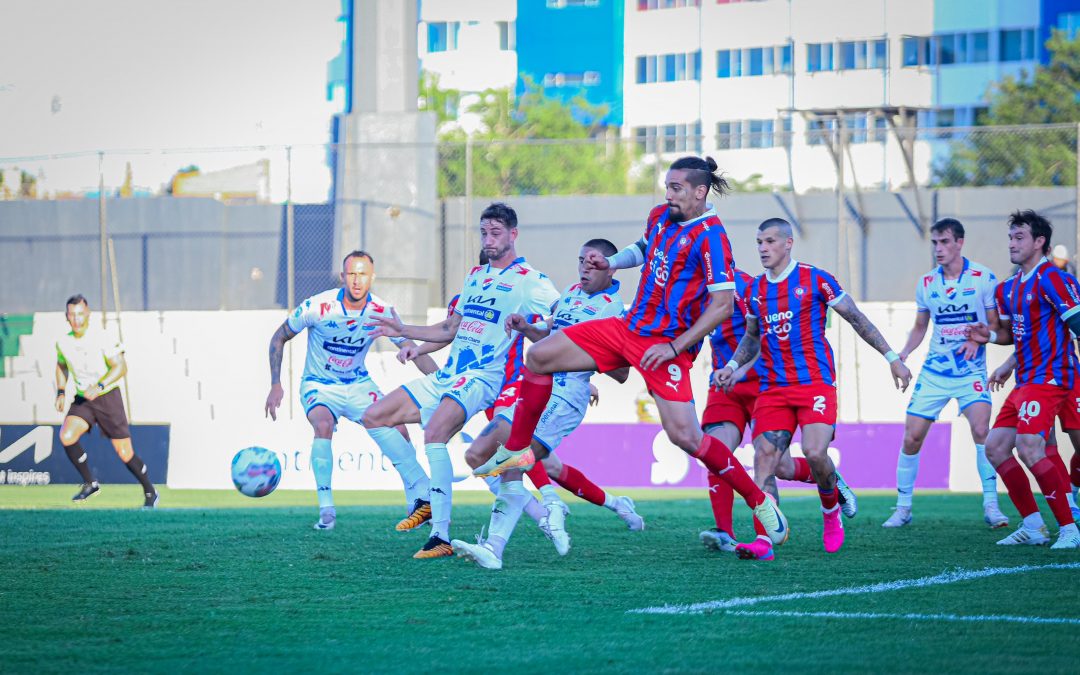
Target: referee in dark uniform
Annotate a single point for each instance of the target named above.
(95, 362)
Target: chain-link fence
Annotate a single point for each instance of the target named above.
(263, 227)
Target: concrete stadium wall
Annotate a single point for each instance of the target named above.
(892, 256)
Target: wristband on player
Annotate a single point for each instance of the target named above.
(673, 350)
(61, 392)
(993, 336)
(891, 356)
(733, 364)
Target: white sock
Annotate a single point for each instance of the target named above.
(402, 455)
(322, 465)
(987, 474)
(493, 483)
(1034, 521)
(442, 481)
(505, 513)
(1072, 499)
(549, 494)
(534, 510)
(609, 501)
(907, 469)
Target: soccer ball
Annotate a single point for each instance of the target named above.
(256, 471)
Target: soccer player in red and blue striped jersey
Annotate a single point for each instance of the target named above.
(685, 291)
(1041, 304)
(787, 308)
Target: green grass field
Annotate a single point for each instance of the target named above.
(213, 581)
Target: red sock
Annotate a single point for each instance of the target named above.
(829, 498)
(802, 471)
(721, 497)
(1049, 479)
(576, 482)
(1074, 468)
(759, 529)
(718, 459)
(535, 392)
(538, 475)
(1054, 455)
(1016, 482)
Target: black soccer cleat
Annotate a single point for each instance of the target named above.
(87, 490)
(151, 499)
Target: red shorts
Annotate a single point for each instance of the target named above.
(1031, 409)
(784, 408)
(736, 407)
(612, 345)
(507, 397)
(1069, 414)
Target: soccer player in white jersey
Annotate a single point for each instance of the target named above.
(595, 296)
(469, 382)
(336, 381)
(95, 361)
(956, 293)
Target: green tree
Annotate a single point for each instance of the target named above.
(535, 144)
(1035, 157)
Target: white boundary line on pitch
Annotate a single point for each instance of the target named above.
(900, 584)
(977, 618)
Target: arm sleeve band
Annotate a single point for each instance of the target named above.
(631, 256)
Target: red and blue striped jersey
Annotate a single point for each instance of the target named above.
(1036, 306)
(791, 312)
(684, 263)
(725, 339)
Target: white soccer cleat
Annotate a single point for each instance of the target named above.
(1025, 537)
(849, 503)
(553, 525)
(994, 517)
(624, 508)
(899, 518)
(1067, 540)
(769, 515)
(718, 540)
(327, 518)
(480, 553)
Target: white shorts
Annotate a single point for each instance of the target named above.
(558, 421)
(342, 400)
(933, 391)
(473, 390)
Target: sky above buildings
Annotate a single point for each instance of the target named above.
(145, 74)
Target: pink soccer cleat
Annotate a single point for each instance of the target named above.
(759, 549)
(833, 536)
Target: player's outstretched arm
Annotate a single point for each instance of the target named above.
(872, 336)
(631, 256)
(61, 383)
(915, 337)
(1001, 374)
(392, 326)
(277, 349)
(745, 354)
(533, 332)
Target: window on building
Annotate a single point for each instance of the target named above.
(881, 129)
(644, 5)
(1069, 23)
(855, 126)
(1017, 45)
(947, 55)
(443, 36)
(819, 57)
(724, 135)
(723, 63)
(668, 68)
(910, 46)
(559, 4)
(506, 36)
(819, 132)
(980, 47)
(755, 65)
(880, 55)
(785, 59)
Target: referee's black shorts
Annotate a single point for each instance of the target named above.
(107, 411)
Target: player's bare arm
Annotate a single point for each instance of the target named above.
(277, 349)
(61, 383)
(745, 354)
(870, 334)
(393, 326)
(995, 326)
(721, 306)
(915, 337)
(532, 332)
(1001, 374)
(418, 354)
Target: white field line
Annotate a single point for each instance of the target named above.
(956, 576)
(977, 618)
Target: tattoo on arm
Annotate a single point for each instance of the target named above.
(863, 326)
(749, 345)
(277, 350)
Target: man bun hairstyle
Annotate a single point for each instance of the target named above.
(501, 212)
(703, 172)
(1040, 227)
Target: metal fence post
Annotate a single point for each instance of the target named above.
(103, 231)
(290, 260)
